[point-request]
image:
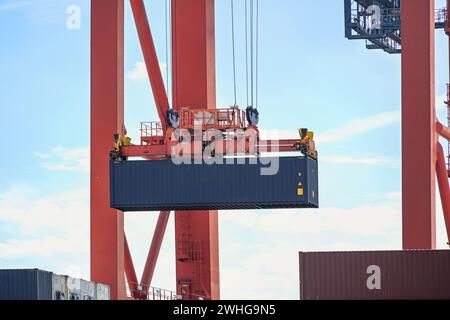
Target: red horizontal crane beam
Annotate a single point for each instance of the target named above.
(153, 152)
(144, 151)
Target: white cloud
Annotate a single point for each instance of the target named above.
(270, 272)
(364, 220)
(389, 196)
(12, 5)
(34, 215)
(38, 12)
(56, 225)
(350, 129)
(50, 232)
(35, 248)
(65, 159)
(268, 267)
(440, 102)
(357, 160)
(139, 227)
(140, 71)
(358, 126)
(258, 249)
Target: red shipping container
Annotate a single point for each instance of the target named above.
(386, 275)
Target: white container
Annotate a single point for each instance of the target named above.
(87, 290)
(74, 289)
(102, 292)
(59, 287)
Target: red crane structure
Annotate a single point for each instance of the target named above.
(194, 84)
(408, 27)
(419, 139)
(194, 103)
(423, 155)
(443, 172)
(194, 90)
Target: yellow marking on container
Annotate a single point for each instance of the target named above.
(300, 191)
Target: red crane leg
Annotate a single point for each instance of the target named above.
(107, 118)
(444, 187)
(418, 120)
(194, 86)
(151, 60)
(153, 254)
(130, 272)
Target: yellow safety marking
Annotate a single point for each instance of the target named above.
(300, 189)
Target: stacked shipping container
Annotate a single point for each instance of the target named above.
(35, 284)
(391, 275)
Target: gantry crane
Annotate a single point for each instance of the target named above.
(408, 27)
(193, 123)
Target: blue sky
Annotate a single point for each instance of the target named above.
(310, 75)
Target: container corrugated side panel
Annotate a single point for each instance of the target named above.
(44, 285)
(87, 290)
(18, 285)
(102, 292)
(59, 289)
(313, 181)
(162, 185)
(422, 274)
(74, 288)
(29, 284)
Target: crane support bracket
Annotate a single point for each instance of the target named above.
(252, 183)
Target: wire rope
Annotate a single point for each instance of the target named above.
(234, 52)
(257, 53)
(246, 50)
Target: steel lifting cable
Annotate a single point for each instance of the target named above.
(167, 50)
(246, 49)
(251, 51)
(234, 52)
(254, 53)
(252, 75)
(257, 52)
(173, 24)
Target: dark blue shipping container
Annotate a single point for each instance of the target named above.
(162, 185)
(32, 284)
